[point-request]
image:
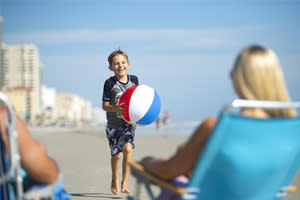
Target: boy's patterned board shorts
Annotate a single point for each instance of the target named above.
(118, 137)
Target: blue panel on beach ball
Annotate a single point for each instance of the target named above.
(152, 113)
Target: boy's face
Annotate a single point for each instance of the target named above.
(119, 66)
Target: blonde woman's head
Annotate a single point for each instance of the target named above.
(257, 75)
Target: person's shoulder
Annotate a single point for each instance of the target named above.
(3, 111)
(133, 78)
(111, 80)
(132, 75)
(206, 127)
(210, 122)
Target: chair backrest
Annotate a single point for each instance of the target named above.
(248, 158)
(10, 165)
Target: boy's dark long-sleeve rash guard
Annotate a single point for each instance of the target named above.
(112, 91)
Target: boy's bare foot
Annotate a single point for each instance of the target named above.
(115, 186)
(124, 188)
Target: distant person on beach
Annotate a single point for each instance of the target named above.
(39, 167)
(166, 121)
(256, 75)
(158, 123)
(119, 133)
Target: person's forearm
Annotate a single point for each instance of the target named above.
(39, 165)
(50, 175)
(109, 108)
(185, 158)
(158, 167)
(112, 108)
(47, 173)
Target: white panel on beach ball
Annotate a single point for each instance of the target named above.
(140, 102)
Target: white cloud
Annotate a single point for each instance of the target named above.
(184, 37)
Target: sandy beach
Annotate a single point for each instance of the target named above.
(84, 159)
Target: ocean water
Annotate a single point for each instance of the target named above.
(181, 128)
(178, 128)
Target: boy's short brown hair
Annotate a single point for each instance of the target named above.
(117, 52)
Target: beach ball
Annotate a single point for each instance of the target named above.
(141, 105)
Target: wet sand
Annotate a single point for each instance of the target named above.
(84, 160)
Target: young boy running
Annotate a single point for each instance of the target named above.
(120, 134)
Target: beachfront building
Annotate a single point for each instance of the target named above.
(86, 111)
(72, 109)
(99, 116)
(21, 98)
(21, 73)
(48, 105)
(1, 55)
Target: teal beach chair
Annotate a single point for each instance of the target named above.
(11, 179)
(244, 158)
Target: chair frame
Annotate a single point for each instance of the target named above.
(13, 173)
(146, 178)
(13, 150)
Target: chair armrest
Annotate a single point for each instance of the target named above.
(53, 191)
(139, 169)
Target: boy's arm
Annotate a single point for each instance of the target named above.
(111, 108)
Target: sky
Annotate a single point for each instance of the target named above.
(184, 49)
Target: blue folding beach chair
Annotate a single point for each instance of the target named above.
(11, 187)
(245, 158)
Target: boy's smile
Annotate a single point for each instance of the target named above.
(120, 66)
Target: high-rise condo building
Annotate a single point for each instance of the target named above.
(22, 78)
(1, 55)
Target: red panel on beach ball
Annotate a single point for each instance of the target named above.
(125, 99)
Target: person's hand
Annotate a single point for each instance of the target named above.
(118, 108)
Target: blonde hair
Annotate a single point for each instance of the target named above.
(257, 75)
(115, 53)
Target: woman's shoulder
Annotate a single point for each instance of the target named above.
(3, 109)
(206, 126)
(210, 122)
(3, 113)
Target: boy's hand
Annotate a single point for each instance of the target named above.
(112, 108)
(118, 108)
